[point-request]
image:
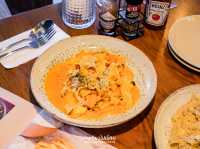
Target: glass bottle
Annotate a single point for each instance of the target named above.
(131, 19)
(133, 8)
(156, 13)
(107, 17)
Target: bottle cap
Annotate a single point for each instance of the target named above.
(134, 2)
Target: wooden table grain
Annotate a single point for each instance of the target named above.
(138, 132)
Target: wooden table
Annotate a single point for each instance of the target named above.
(137, 133)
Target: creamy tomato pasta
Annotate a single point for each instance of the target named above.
(92, 85)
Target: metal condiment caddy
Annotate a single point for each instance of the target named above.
(129, 20)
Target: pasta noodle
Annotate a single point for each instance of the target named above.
(92, 85)
(185, 131)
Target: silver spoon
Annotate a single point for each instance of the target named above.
(38, 36)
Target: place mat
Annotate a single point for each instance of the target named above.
(26, 55)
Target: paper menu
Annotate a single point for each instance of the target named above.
(16, 115)
(5, 107)
(75, 138)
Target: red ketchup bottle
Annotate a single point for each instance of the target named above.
(156, 13)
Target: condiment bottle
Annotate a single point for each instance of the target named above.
(107, 17)
(156, 13)
(130, 19)
(133, 8)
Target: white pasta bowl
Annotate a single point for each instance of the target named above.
(144, 76)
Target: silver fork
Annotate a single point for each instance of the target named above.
(37, 40)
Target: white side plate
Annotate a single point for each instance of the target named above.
(181, 61)
(184, 38)
(162, 125)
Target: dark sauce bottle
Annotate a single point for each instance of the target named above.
(133, 8)
(131, 19)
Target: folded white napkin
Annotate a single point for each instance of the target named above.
(26, 55)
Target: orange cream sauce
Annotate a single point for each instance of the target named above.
(75, 85)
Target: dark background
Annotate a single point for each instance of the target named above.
(17, 6)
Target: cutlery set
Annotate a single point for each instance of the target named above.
(38, 37)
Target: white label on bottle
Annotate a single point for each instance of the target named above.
(107, 21)
(157, 12)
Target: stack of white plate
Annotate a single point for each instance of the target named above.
(184, 41)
